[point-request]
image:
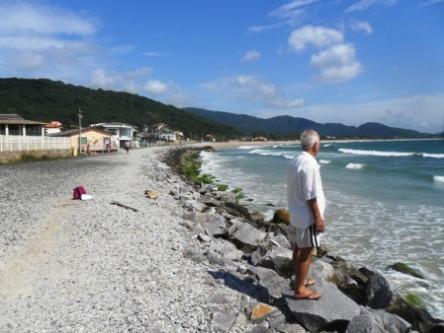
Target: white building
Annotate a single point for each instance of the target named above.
(122, 132)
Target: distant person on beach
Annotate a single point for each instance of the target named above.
(127, 146)
(306, 204)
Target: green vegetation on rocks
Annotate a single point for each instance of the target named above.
(414, 300)
(406, 269)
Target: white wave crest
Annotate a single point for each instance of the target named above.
(246, 147)
(326, 145)
(324, 161)
(355, 166)
(438, 179)
(433, 155)
(387, 153)
(270, 153)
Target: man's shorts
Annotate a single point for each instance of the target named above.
(303, 238)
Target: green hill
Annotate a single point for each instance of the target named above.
(291, 127)
(46, 100)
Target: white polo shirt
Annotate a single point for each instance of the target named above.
(303, 183)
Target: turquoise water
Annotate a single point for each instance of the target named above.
(385, 202)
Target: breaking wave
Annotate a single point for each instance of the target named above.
(355, 166)
(271, 153)
(387, 153)
(438, 179)
(324, 161)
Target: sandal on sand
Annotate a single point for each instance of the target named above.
(314, 296)
(310, 282)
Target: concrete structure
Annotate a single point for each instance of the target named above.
(161, 132)
(16, 125)
(92, 140)
(122, 132)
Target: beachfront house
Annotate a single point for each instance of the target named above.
(16, 125)
(122, 132)
(92, 140)
(162, 132)
(53, 127)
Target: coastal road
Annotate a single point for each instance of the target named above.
(89, 266)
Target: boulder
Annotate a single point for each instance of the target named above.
(193, 205)
(420, 319)
(260, 312)
(237, 210)
(406, 269)
(377, 321)
(279, 259)
(281, 215)
(271, 284)
(378, 294)
(214, 225)
(280, 240)
(257, 217)
(333, 311)
(203, 237)
(225, 196)
(225, 249)
(245, 236)
(151, 194)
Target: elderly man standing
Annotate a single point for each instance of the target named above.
(306, 203)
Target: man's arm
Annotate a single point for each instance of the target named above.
(318, 220)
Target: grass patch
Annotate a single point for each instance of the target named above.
(237, 190)
(189, 166)
(222, 187)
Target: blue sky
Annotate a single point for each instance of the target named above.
(331, 61)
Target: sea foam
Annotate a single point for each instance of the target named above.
(355, 166)
(438, 179)
(324, 161)
(271, 153)
(388, 153)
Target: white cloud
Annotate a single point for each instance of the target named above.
(365, 4)
(23, 17)
(261, 28)
(362, 26)
(293, 11)
(250, 88)
(430, 3)
(155, 54)
(314, 35)
(156, 87)
(130, 81)
(251, 55)
(337, 64)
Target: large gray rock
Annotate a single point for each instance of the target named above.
(280, 240)
(225, 249)
(333, 310)
(214, 225)
(290, 328)
(237, 210)
(279, 259)
(377, 321)
(245, 236)
(271, 284)
(223, 321)
(378, 294)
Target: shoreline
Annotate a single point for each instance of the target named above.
(399, 298)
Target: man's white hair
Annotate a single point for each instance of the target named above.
(309, 138)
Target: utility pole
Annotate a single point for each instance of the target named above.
(80, 128)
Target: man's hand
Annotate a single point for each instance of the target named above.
(319, 224)
(318, 220)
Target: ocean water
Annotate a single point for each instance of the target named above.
(385, 202)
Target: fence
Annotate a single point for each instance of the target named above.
(30, 143)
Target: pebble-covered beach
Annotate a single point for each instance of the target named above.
(89, 266)
(187, 259)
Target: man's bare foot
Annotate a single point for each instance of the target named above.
(307, 294)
